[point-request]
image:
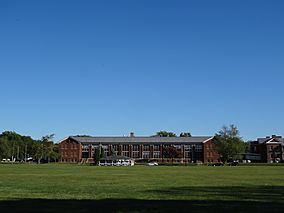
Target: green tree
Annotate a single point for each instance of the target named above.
(16, 146)
(46, 149)
(171, 152)
(165, 134)
(39, 151)
(229, 144)
(5, 151)
(98, 154)
(112, 151)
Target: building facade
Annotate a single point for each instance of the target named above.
(270, 149)
(187, 149)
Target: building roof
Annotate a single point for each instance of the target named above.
(263, 140)
(273, 138)
(102, 140)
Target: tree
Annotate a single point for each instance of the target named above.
(18, 147)
(185, 134)
(39, 150)
(98, 154)
(15, 146)
(171, 152)
(112, 151)
(5, 151)
(165, 134)
(229, 144)
(46, 149)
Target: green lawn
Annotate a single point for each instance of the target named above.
(74, 188)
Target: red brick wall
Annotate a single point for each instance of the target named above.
(273, 152)
(70, 151)
(209, 153)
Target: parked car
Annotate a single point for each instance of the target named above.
(153, 164)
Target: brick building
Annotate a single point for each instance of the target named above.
(190, 149)
(270, 149)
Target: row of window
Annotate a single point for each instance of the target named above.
(197, 148)
(209, 154)
(69, 154)
(135, 154)
(147, 154)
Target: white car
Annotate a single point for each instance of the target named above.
(153, 164)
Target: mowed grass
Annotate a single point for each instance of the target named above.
(75, 188)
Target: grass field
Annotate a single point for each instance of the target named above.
(74, 188)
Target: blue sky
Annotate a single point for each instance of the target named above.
(111, 67)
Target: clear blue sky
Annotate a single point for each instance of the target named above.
(111, 67)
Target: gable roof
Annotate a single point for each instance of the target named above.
(270, 140)
(84, 140)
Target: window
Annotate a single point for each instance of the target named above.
(135, 154)
(135, 148)
(115, 147)
(178, 147)
(105, 147)
(187, 147)
(198, 148)
(125, 154)
(85, 155)
(125, 147)
(187, 154)
(156, 154)
(95, 146)
(85, 148)
(146, 155)
(146, 148)
(156, 147)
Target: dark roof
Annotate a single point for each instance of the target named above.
(267, 139)
(263, 140)
(201, 139)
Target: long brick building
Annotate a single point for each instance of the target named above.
(190, 149)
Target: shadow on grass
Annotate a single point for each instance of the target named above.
(212, 199)
(273, 194)
(109, 205)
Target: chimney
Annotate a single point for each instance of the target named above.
(132, 134)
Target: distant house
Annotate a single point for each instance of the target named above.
(270, 149)
(189, 149)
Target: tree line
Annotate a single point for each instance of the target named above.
(15, 147)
